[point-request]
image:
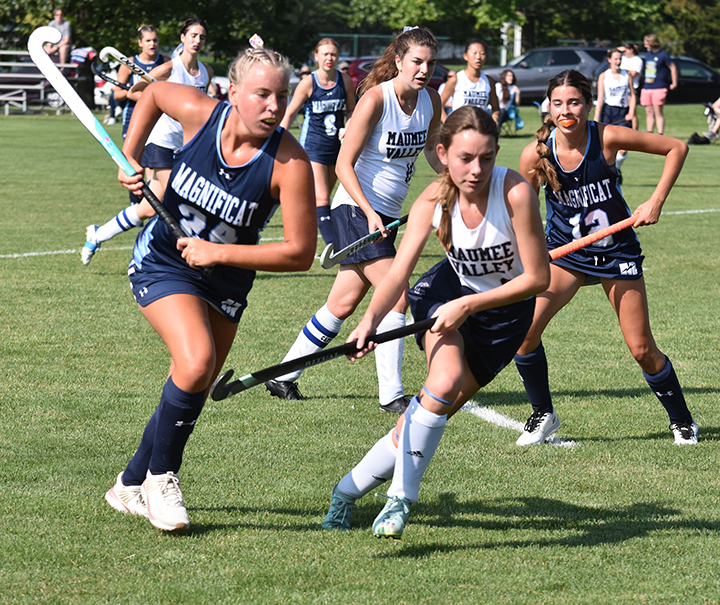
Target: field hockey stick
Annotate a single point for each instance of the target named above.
(329, 259)
(222, 388)
(52, 74)
(592, 238)
(97, 70)
(109, 51)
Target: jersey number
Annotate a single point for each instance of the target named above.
(194, 223)
(596, 220)
(330, 126)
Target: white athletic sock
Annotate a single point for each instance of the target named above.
(619, 159)
(388, 360)
(373, 470)
(418, 441)
(316, 335)
(124, 221)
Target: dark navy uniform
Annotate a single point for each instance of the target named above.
(134, 79)
(324, 117)
(588, 200)
(212, 201)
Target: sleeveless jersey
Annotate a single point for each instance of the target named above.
(134, 79)
(487, 256)
(212, 201)
(616, 90)
(168, 132)
(324, 116)
(588, 200)
(471, 93)
(387, 162)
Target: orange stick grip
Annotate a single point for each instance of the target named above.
(592, 238)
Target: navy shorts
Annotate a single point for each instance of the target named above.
(323, 155)
(349, 225)
(598, 263)
(155, 156)
(149, 286)
(491, 337)
(615, 116)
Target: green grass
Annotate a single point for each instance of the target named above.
(624, 517)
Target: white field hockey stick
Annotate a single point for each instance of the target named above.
(52, 74)
(222, 388)
(592, 238)
(329, 259)
(109, 51)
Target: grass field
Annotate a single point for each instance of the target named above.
(624, 516)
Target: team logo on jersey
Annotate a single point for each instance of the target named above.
(415, 453)
(629, 268)
(405, 144)
(222, 173)
(420, 286)
(478, 262)
(585, 195)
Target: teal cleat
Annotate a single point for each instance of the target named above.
(391, 521)
(338, 517)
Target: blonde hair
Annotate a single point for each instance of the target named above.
(544, 171)
(327, 41)
(250, 56)
(384, 68)
(652, 41)
(466, 117)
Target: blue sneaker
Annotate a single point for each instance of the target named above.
(391, 521)
(338, 517)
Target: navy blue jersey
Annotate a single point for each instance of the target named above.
(212, 201)
(588, 200)
(134, 79)
(324, 116)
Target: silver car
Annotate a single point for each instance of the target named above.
(534, 68)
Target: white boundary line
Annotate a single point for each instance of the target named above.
(498, 419)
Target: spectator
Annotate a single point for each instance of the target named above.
(714, 122)
(660, 75)
(633, 64)
(508, 95)
(63, 47)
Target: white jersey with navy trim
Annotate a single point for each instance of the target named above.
(487, 256)
(387, 161)
(616, 90)
(168, 132)
(468, 92)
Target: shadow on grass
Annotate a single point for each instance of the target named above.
(575, 525)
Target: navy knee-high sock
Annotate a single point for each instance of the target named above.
(666, 387)
(533, 369)
(179, 411)
(325, 223)
(136, 470)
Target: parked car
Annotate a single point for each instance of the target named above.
(697, 82)
(534, 68)
(222, 83)
(359, 69)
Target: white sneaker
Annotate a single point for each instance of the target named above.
(126, 498)
(91, 245)
(685, 433)
(111, 121)
(165, 506)
(539, 428)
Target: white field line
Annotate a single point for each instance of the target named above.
(269, 239)
(498, 419)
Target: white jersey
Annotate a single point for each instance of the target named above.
(168, 132)
(616, 89)
(485, 257)
(471, 93)
(387, 161)
(633, 64)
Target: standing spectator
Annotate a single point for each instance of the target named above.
(63, 47)
(615, 99)
(633, 64)
(470, 86)
(660, 75)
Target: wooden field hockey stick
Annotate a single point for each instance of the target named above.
(222, 388)
(44, 63)
(592, 238)
(329, 259)
(109, 51)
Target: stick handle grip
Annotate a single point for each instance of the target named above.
(592, 238)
